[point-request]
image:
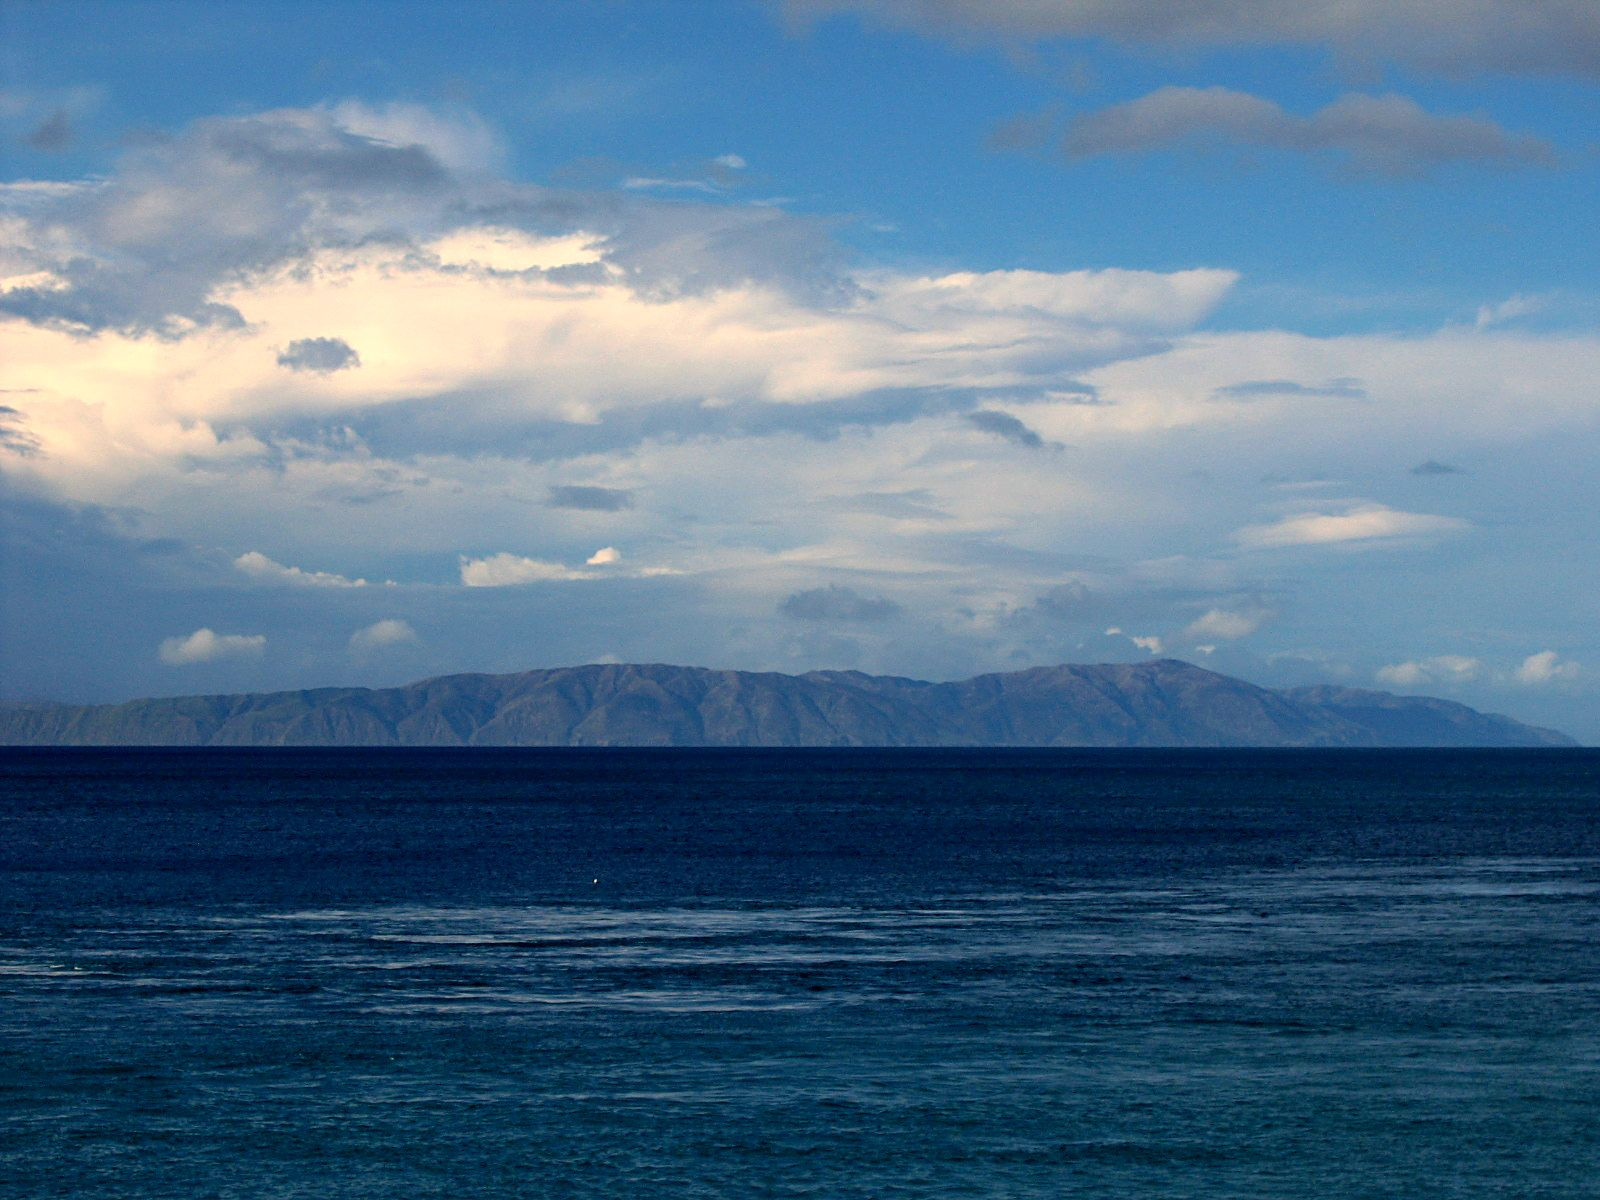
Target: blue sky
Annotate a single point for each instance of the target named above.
(382, 340)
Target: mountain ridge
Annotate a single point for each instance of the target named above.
(1166, 702)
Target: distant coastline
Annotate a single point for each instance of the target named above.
(1161, 703)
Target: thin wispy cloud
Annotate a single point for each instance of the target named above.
(1379, 135)
(1362, 524)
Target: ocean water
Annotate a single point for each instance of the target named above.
(799, 974)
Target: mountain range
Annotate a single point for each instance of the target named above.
(1159, 703)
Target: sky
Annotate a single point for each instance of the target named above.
(351, 343)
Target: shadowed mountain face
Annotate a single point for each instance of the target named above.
(1165, 703)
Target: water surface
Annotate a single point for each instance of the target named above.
(831, 974)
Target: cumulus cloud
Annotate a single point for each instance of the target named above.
(1368, 523)
(590, 499)
(1443, 669)
(838, 604)
(604, 557)
(144, 249)
(391, 631)
(509, 570)
(1381, 135)
(683, 322)
(1546, 667)
(320, 355)
(1224, 625)
(1149, 643)
(205, 645)
(1510, 35)
(259, 566)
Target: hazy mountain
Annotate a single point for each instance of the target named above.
(1165, 703)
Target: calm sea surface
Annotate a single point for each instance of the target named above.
(785, 974)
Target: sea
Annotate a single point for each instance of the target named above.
(777, 973)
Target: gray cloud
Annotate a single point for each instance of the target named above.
(1343, 388)
(1509, 35)
(1004, 425)
(1436, 468)
(53, 134)
(228, 198)
(1386, 135)
(913, 504)
(14, 435)
(321, 355)
(835, 603)
(590, 499)
(467, 423)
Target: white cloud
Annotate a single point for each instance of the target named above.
(1509, 309)
(1445, 668)
(1228, 626)
(258, 565)
(509, 570)
(1150, 645)
(391, 631)
(1367, 523)
(1546, 667)
(204, 645)
(604, 557)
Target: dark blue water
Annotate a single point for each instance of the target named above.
(780, 974)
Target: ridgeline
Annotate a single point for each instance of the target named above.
(1162, 703)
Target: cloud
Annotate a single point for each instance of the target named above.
(52, 135)
(1509, 309)
(604, 557)
(1545, 667)
(203, 645)
(1506, 35)
(320, 355)
(14, 435)
(1224, 625)
(1345, 388)
(1006, 426)
(840, 604)
(1368, 523)
(391, 631)
(1150, 644)
(510, 570)
(258, 565)
(1432, 467)
(1378, 135)
(911, 504)
(1444, 669)
(227, 198)
(590, 499)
